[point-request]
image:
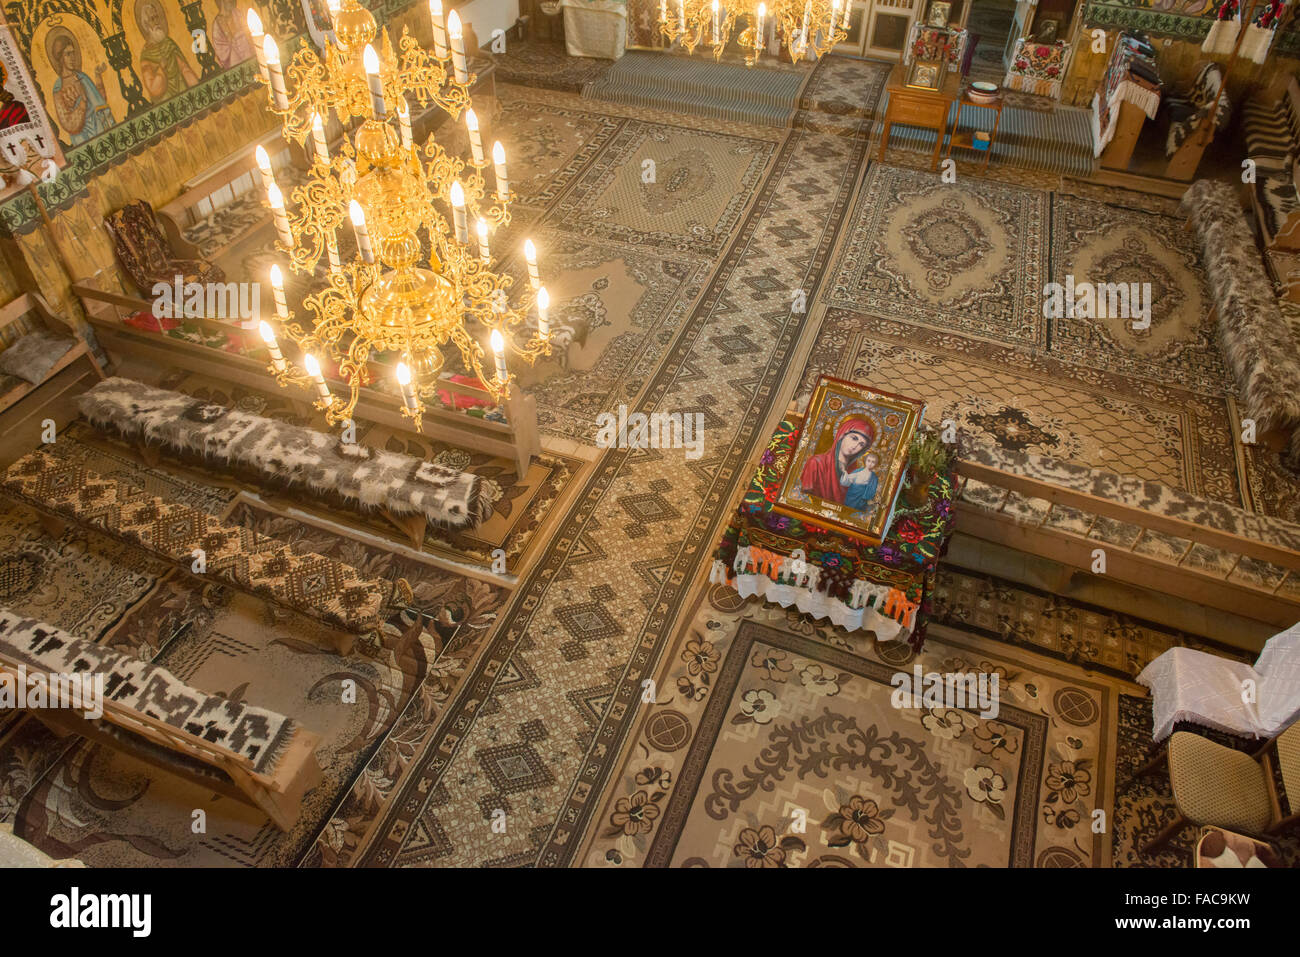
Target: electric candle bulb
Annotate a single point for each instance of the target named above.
(358, 216)
(277, 293)
(370, 60)
(530, 257)
(663, 11)
(499, 351)
(333, 6)
(404, 120)
(264, 167)
(276, 199)
(681, 14)
(332, 249)
(848, 6)
(715, 21)
(483, 249)
(459, 65)
(256, 34)
(313, 369)
(760, 36)
(404, 381)
(475, 140)
(273, 347)
(459, 217)
(439, 30)
(543, 322)
(499, 161)
(318, 139)
(276, 75)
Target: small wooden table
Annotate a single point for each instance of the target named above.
(966, 139)
(915, 107)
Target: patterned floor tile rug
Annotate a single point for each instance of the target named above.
(1030, 401)
(772, 742)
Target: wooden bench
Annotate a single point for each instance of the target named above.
(515, 439)
(329, 592)
(13, 390)
(273, 767)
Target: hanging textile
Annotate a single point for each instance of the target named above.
(1259, 35)
(1222, 37)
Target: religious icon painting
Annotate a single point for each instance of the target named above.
(848, 467)
(29, 149)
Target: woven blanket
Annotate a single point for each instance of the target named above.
(318, 587)
(286, 455)
(253, 733)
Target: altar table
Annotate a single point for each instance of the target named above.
(884, 588)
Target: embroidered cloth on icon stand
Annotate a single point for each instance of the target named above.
(321, 588)
(896, 577)
(250, 732)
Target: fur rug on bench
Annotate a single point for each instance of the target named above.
(250, 732)
(288, 456)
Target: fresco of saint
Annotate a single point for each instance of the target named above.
(80, 103)
(163, 69)
(231, 43)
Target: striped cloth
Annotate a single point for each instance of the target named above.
(720, 91)
(1059, 141)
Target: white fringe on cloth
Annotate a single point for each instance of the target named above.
(1222, 36)
(1148, 101)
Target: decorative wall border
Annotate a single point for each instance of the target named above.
(1122, 15)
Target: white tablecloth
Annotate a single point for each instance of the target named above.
(595, 28)
(819, 605)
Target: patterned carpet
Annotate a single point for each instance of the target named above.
(772, 742)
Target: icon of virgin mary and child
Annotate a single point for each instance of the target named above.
(837, 475)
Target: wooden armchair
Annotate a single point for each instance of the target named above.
(144, 254)
(1220, 786)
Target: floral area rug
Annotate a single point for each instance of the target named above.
(772, 741)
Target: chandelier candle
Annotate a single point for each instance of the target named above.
(371, 61)
(484, 252)
(313, 369)
(318, 139)
(264, 167)
(530, 257)
(499, 161)
(358, 217)
(276, 200)
(275, 73)
(460, 218)
(681, 13)
(848, 6)
(404, 381)
(439, 30)
(273, 347)
(475, 140)
(277, 292)
(404, 120)
(499, 351)
(333, 7)
(332, 250)
(256, 34)
(716, 30)
(543, 323)
(759, 34)
(459, 66)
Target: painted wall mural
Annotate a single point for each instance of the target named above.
(1178, 19)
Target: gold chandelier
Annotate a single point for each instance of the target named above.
(390, 300)
(804, 26)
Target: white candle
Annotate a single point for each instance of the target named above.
(530, 257)
(264, 167)
(760, 34)
(499, 161)
(543, 322)
(276, 199)
(404, 120)
(663, 11)
(332, 250)
(333, 6)
(475, 140)
(499, 351)
(370, 59)
(803, 33)
(483, 249)
(458, 214)
(358, 217)
(277, 293)
(273, 347)
(257, 36)
(404, 382)
(439, 31)
(459, 65)
(318, 138)
(681, 14)
(848, 6)
(313, 369)
(715, 21)
(272, 54)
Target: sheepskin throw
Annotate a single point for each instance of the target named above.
(255, 734)
(313, 585)
(288, 456)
